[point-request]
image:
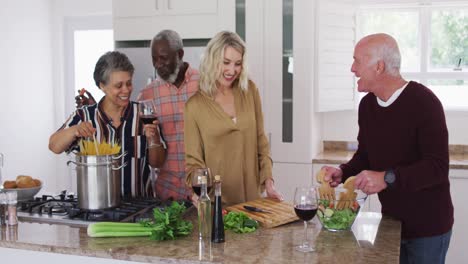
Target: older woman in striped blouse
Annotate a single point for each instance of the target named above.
(115, 119)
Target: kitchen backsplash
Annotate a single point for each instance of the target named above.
(352, 146)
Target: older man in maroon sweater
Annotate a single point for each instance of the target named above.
(403, 151)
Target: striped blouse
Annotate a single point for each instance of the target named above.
(134, 176)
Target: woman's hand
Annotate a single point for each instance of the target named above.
(151, 131)
(82, 100)
(271, 191)
(84, 129)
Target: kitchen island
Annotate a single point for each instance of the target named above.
(373, 239)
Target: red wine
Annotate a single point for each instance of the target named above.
(305, 211)
(147, 119)
(217, 231)
(197, 189)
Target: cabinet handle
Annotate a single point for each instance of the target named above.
(156, 4)
(169, 6)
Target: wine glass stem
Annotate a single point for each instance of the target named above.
(305, 243)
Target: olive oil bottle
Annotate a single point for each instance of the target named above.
(204, 211)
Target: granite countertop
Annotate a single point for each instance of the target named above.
(373, 239)
(337, 152)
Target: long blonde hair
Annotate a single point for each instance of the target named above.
(210, 65)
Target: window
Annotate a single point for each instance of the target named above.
(85, 40)
(433, 42)
(89, 46)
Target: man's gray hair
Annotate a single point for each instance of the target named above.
(389, 52)
(110, 62)
(172, 37)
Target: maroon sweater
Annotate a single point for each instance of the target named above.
(409, 136)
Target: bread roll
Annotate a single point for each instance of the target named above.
(9, 184)
(21, 178)
(37, 182)
(23, 181)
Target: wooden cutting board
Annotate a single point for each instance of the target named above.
(281, 212)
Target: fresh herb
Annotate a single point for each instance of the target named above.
(167, 224)
(239, 222)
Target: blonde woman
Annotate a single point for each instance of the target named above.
(224, 124)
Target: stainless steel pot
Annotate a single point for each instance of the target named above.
(98, 179)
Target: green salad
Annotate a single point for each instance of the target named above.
(239, 222)
(336, 219)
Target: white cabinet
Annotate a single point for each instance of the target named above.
(277, 39)
(141, 20)
(144, 8)
(289, 176)
(458, 190)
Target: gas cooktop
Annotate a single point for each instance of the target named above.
(63, 209)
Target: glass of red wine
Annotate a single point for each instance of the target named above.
(196, 180)
(305, 206)
(147, 112)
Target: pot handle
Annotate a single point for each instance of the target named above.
(71, 161)
(120, 156)
(119, 167)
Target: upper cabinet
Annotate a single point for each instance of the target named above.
(141, 20)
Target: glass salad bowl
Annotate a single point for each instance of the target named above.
(338, 207)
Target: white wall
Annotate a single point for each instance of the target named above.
(32, 86)
(26, 89)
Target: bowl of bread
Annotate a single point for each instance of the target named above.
(25, 186)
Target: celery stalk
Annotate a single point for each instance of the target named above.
(110, 229)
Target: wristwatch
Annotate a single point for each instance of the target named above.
(389, 178)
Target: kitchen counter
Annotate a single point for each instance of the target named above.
(373, 239)
(457, 161)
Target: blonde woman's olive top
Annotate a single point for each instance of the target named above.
(236, 149)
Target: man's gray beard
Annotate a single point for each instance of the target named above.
(172, 78)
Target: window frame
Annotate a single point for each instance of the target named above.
(72, 24)
(425, 15)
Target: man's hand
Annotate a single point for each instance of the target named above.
(370, 182)
(332, 175)
(82, 100)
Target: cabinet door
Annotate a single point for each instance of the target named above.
(182, 7)
(140, 8)
(458, 190)
(288, 61)
(288, 176)
(201, 19)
